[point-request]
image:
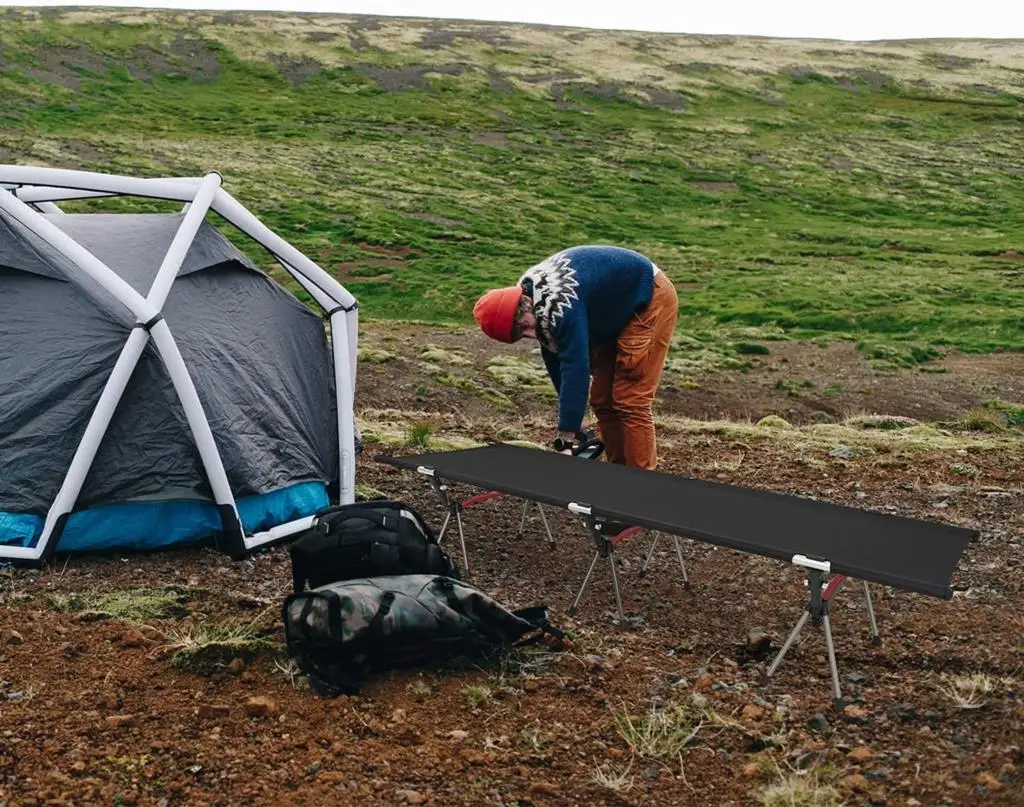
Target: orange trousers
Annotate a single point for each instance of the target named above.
(625, 375)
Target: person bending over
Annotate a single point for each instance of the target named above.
(604, 318)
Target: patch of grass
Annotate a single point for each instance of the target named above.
(521, 374)
(460, 382)
(963, 470)
(885, 422)
(444, 357)
(606, 776)
(773, 422)
(897, 355)
(477, 695)
(823, 436)
(130, 605)
(802, 789)
(372, 355)
(661, 734)
(391, 428)
(1013, 413)
(969, 692)
(420, 691)
(981, 420)
(204, 647)
(419, 435)
(793, 386)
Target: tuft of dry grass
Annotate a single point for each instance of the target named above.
(967, 691)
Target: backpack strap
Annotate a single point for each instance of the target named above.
(386, 602)
(537, 615)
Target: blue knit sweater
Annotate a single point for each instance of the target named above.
(583, 296)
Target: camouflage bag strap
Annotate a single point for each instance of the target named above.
(374, 628)
(537, 616)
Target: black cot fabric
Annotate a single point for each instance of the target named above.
(892, 550)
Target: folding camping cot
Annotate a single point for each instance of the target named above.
(821, 538)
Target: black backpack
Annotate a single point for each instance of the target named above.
(367, 539)
(340, 633)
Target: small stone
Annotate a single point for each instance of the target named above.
(213, 712)
(879, 774)
(119, 721)
(69, 650)
(752, 712)
(600, 697)
(855, 713)
(458, 735)
(132, 638)
(313, 769)
(818, 723)
(860, 754)
(398, 716)
(704, 682)
(259, 706)
(855, 678)
(78, 767)
(905, 712)
(855, 783)
(987, 780)
(545, 789)
(411, 796)
(237, 666)
(751, 770)
(531, 685)
(12, 637)
(758, 641)
(912, 802)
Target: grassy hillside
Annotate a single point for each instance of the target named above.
(809, 188)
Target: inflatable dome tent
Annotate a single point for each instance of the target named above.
(156, 388)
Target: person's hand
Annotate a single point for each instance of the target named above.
(567, 451)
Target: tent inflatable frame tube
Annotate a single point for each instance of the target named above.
(24, 188)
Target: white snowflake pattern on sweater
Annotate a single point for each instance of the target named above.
(554, 292)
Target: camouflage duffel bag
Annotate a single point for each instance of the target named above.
(340, 633)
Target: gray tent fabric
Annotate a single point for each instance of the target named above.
(132, 245)
(258, 357)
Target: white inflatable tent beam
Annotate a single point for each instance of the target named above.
(26, 190)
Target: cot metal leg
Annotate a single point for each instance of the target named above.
(547, 529)
(833, 668)
(615, 584)
(462, 540)
(522, 519)
(454, 510)
(875, 638)
(682, 563)
(788, 643)
(817, 611)
(679, 554)
(650, 552)
(590, 571)
(605, 548)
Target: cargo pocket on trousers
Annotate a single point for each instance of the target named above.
(632, 354)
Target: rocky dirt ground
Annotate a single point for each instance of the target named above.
(160, 679)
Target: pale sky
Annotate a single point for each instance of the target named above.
(849, 20)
